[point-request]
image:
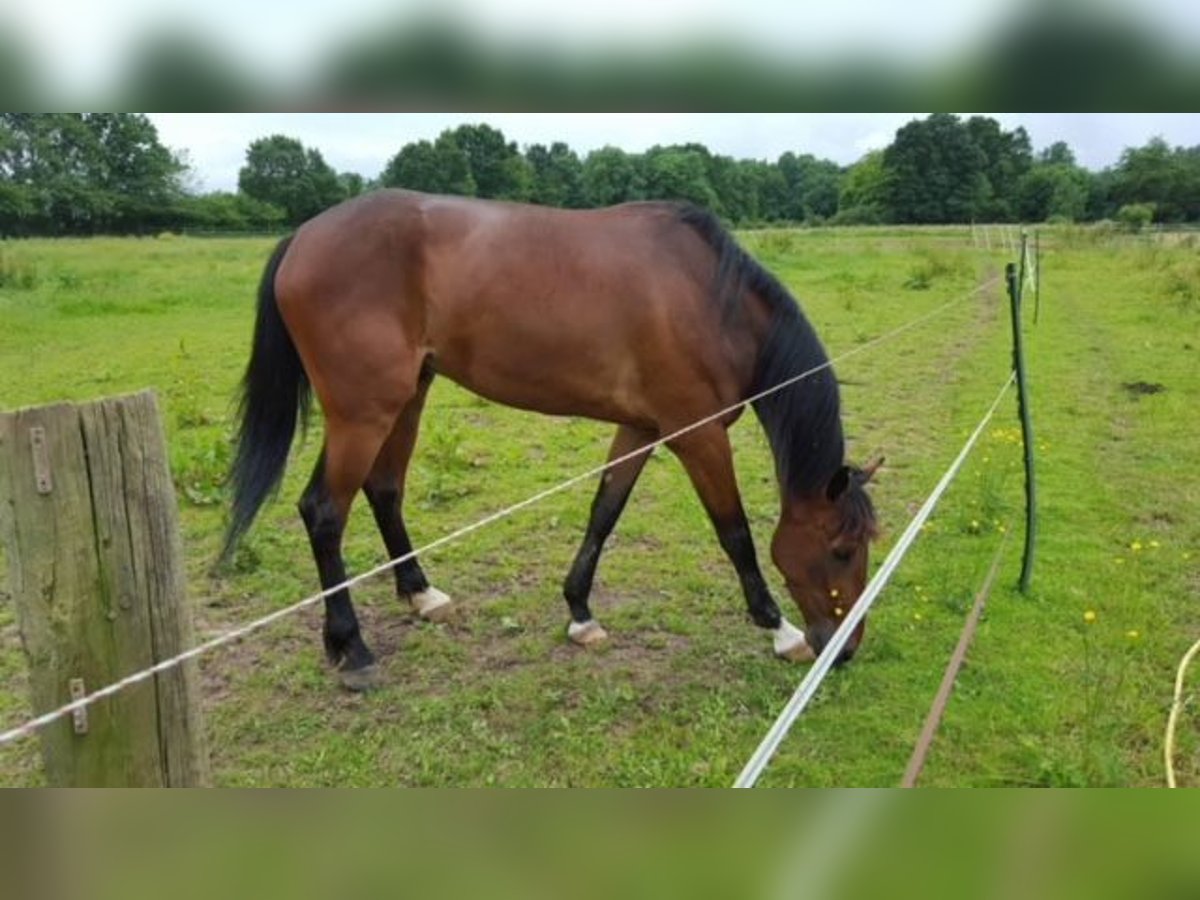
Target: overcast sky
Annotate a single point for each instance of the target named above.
(363, 143)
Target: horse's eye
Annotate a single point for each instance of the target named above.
(843, 554)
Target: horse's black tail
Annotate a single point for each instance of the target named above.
(275, 395)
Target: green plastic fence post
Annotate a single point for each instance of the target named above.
(1037, 275)
(1014, 295)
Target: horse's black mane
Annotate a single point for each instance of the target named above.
(802, 421)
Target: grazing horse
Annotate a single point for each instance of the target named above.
(646, 315)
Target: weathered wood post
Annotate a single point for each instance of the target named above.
(89, 522)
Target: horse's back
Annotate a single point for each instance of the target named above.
(577, 312)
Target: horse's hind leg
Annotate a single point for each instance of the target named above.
(615, 485)
(341, 470)
(384, 489)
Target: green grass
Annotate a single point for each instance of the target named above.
(686, 687)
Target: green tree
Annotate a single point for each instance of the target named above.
(792, 169)
(677, 173)
(279, 170)
(139, 174)
(1053, 191)
(1100, 204)
(812, 186)
(772, 191)
(1058, 153)
(223, 211)
(610, 175)
(735, 185)
(557, 175)
(498, 169)
(1187, 196)
(863, 195)
(80, 174)
(1006, 157)
(351, 183)
(46, 161)
(935, 172)
(1136, 216)
(440, 167)
(820, 195)
(1167, 178)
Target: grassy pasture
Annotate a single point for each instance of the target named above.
(686, 687)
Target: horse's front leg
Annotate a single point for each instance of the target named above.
(708, 458)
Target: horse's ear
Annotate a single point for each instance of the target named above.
(869, 470)
(838, 483)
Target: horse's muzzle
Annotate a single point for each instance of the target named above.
(819, 636)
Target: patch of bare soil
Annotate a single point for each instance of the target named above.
(1137, 389)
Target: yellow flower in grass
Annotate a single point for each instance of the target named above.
(1089, 616)
(1132, 634)
(1136, 546)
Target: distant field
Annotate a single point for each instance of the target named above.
(686, 686)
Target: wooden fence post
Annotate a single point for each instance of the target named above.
(89, 520)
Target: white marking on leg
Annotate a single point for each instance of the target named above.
(431, 604)
(584, 633)
(790, 643)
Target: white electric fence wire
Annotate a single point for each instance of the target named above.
(228, 637)
(830, 652)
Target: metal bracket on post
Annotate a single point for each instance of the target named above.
(41, 460)
(79, 717)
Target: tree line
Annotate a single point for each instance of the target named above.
(109, 173)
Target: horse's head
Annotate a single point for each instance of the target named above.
(821, 546)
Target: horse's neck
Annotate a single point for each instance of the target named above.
(802, 419)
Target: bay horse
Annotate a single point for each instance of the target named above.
(647, 315)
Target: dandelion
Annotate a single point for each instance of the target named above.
(1136, 546)
(1132, 634)
(1089, 616)
(1154, 544)
(917, 616)
(1119, 560)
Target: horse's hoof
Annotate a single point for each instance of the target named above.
(586, 633)
(790, 643)
(432, 605)
(360, 680)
